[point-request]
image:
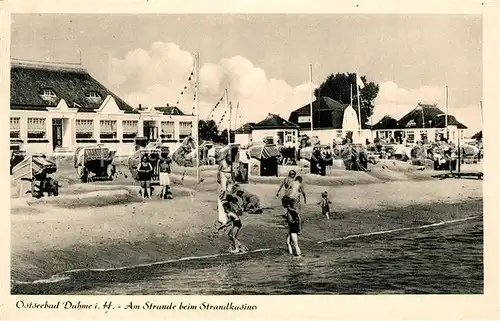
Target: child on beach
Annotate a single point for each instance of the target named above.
(233, 212)
(325, 204)
(325, 207)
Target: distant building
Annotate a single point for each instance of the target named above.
(423, 123)
(281, 131)
(56, 108)
(387, 129)
(331, 121)
(243, 135)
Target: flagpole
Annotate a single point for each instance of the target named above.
(446, 118)
(371, 127)
(236, 114)
(228, 117)
(311, 97)
(359, 104)
(351, 95)
(482, 119)
(196, 87)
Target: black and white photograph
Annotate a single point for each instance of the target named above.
(246, 154)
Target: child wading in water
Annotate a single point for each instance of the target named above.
(325, 207)
(233, 212)
(325, 204)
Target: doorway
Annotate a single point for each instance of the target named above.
(150, 130)
(57, 133)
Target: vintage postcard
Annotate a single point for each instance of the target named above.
(250, 161)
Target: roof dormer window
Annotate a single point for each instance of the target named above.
(93, 95)
(48, 93)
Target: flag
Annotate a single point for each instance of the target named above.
(359, 82)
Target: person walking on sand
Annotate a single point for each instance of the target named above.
(294, 226)
(233, 212)
(144, 174)
(165, 176)
(287, 182)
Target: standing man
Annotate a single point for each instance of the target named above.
(287, 182)
(225, 181)
(295, 192)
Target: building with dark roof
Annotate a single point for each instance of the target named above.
(331, 120)
(423, 123)
(280, 130)
(55, 108)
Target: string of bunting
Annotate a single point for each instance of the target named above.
(223, 116)
(190, 79)
(216, 105)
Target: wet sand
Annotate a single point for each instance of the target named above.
(48, 238)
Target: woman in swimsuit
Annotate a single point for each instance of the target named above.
(144, 174)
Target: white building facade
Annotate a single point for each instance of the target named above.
(45, 119)
(424, 123)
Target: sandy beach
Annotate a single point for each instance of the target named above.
(93, 226)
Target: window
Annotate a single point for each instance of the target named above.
(49, 93)
(168, 129)
(37, 129)
(108, 129)
(461, 134)
(184, 129)
(93, 95)
(84, 128)
(15, 127)
(281, 137)
(130, 128)
(304, 119)
(289, 137)
(423, 135)
(411, 137)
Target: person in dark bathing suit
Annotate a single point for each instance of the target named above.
(144, 174)
(294, 226)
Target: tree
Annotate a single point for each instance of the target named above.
(338, 87)
(207, 130)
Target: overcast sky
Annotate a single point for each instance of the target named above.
(263, 59)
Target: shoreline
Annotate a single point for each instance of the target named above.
(51, 239)
(74, 280)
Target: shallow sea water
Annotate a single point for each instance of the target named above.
(443, 259)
